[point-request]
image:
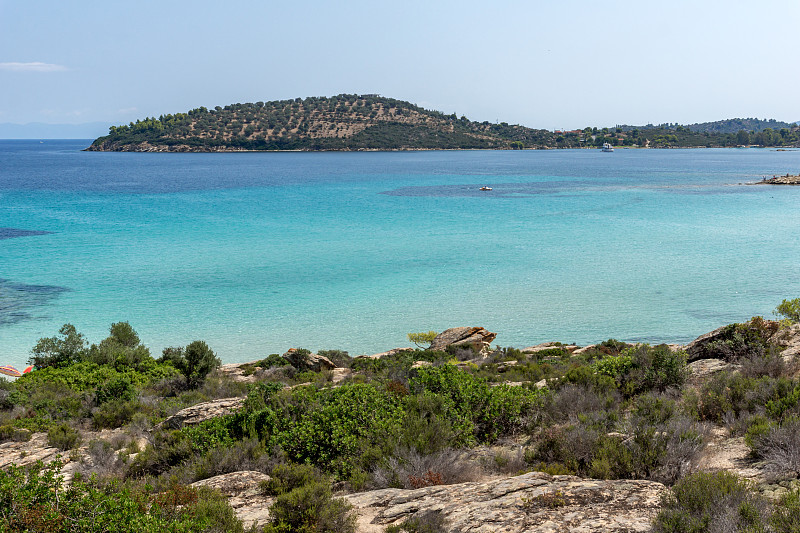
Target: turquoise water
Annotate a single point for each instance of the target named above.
(259, 252)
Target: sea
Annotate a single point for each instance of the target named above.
(256, 253)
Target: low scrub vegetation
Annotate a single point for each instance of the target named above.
(410, 419)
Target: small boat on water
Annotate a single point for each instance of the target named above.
(607, 147)
(485, 188)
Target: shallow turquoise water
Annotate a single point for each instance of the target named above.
(257, 253)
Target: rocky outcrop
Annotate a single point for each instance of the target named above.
(530, 502)
(393, 351)
(303, 360)
(244, 495)
(697, 349)
(203, 411)
(477, 338)
(702, 369)
(549, 346)
(238, 372)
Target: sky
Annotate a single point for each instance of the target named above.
(542, 64)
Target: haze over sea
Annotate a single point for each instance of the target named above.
(259, 252)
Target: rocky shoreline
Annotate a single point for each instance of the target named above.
(787, 179)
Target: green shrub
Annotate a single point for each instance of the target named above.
(699, 500)
(114, 414)
(194, 362)
(271, 360)
(285, 478)
(63, 437)
(340, 358)
(34, 499)
(304, 502)
(118, 388)
(789, 309)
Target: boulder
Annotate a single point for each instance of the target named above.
(697, 348)
(420, 364)
(303, 361)
(203, 411)
(244, 495)
(477, 338)
(531, 502)
(702, 369)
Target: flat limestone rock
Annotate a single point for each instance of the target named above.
(393, 351)
(531, 502)
(549, 346)
(202, 412)
(476, 337)
(244, 495)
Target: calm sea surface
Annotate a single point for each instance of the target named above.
(259, 252)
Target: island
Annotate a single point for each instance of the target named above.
(351, 122)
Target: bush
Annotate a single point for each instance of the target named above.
(34, 499)
(271, 360)
(789, 309)
(118, 387)
(407, 468)
(63, 437)
(699, 501)
(114, 414)
(195, 362)
(339, 358)
(778, 446)
(304, 502)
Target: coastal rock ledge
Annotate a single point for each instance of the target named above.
(531, 502)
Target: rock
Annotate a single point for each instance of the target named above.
(697, 348)
(244, 495)
(549, 346)
(581, 351)
(729, 454)
(235, 372)
(541, 384)
(789, 340)
(340, 374)
(503, 366)
(477, 338)
(704, 368)
(203, 411)
(28, 452)
(531, 502)
(308, 361)
(420, 364)
(393, 351)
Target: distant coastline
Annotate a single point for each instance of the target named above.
(349, 122)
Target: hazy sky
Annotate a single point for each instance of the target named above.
(553, 64)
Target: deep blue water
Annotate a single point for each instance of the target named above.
(259, 252)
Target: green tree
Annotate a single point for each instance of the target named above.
(63, 350)
(194, 362)
(423, 339)
(789, 309)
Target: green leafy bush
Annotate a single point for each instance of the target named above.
(699, 500)
(63, 437)
(35, 500)
(789, 309)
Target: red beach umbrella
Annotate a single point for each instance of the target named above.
(9, 370)
(27, 370)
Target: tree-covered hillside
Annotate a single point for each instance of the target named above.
(373, 122)
(343, 122)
